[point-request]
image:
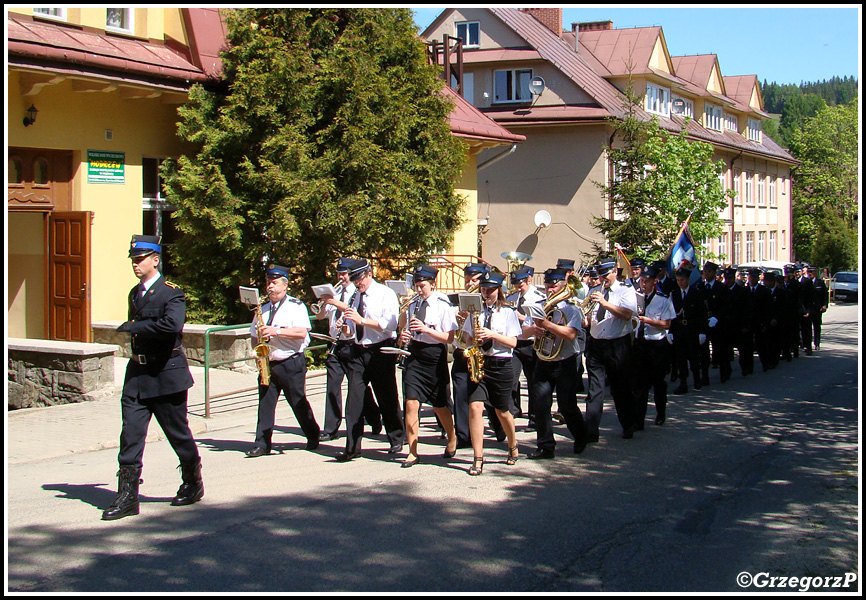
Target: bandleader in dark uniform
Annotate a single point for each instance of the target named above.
(687, 329)
(740, 317)
(714, 296)
(156, 383)
(820, 302)
(761, 309)
(287, 330)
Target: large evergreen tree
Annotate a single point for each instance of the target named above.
(660, 179)
(330, 138)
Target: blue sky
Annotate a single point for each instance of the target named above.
(785, 45)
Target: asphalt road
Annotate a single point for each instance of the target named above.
(758, 476)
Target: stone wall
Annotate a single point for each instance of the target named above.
(48, 372)
(225, 346)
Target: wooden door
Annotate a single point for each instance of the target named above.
(69, 276)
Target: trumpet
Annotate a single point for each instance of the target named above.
(316, 307)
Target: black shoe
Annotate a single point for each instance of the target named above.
(126, 503)
(808, 352)
(347, 456)
(258, 451)
(683, 389)
(660, 419)
(628, 433)
(592, 439)
(395, 449)
(541, 453)
(192, 488)
(409, 463)
(312, 444)
(329, 437)
(579, 446)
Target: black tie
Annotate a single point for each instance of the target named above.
(139, 294)
(520, 302)
(641, 332)
(601, 310)
(339, 312)
(359, 330)
(421, 311)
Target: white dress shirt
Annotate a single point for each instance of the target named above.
(611, 327)
(290, 312)
(382, 305)
(439, 315)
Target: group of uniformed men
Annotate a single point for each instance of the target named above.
(632, 332)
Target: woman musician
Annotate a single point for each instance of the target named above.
(496, 334)
(428, 327)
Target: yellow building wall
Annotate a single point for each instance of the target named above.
(466, 237)
(77, 121)
(26, 275)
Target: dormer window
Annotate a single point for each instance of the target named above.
(119, 20)
(470, 33)
(658, 100)
(731, 122)
(755, 130)
(512, 85)
(712, 116)
(58, 14)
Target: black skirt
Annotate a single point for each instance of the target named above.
(495, 387)
(425, 376)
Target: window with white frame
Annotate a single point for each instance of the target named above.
(754, 130)
(470, 33)
(119, 20)
(723, 246)
(688, 106)
(737, 177)
(512, 85)
(762, 245)
(750, 188)
(750, 246)
(738, 244)
(762, 185)
(51, 13)
(712, 116)
(731, 122)
(658, 100)
(771, 249)
(772, 190)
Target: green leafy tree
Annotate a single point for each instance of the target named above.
(825, 185)
(795, 112)
(835, 245)
(329, 137)
(661, 178)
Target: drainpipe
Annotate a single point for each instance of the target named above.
(496, 158)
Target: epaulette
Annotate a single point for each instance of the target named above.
(662, 294)
(172, 285)
(445, 299)
(294, 300)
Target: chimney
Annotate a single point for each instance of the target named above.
(592, 26)
(550, 17)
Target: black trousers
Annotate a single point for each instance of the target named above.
(561, 376)
(806, 331)
(337, 368)
(686, 351)
(610, 359)
(719, 340)
(170, 413)
(369, 366)
(817, 318)
(288, 377)
(652, 360)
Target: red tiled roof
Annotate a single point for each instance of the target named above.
(35, 42)
(621, 49)
(468, 122)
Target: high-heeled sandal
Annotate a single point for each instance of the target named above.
(513, 455)
(477, 466)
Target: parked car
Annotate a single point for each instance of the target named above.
(844, 286)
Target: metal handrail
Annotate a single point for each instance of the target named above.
(208, 364)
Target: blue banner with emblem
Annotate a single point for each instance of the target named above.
(682, 255)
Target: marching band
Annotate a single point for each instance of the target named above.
(632, 331)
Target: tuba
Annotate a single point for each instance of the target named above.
(548, 346)
(262, 350)
(474, 354)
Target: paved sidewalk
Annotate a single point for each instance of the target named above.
(56, 431)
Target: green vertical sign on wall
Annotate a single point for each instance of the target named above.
(105, 167)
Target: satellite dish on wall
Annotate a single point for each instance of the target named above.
(536, 85)
(678, 106)
(542, 219)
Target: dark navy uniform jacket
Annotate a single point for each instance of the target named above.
(158, 366)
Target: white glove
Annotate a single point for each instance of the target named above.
(713, 321)
(702, 338)
(670, 338)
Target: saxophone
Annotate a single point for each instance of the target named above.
(262, 351)
(474, 354)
